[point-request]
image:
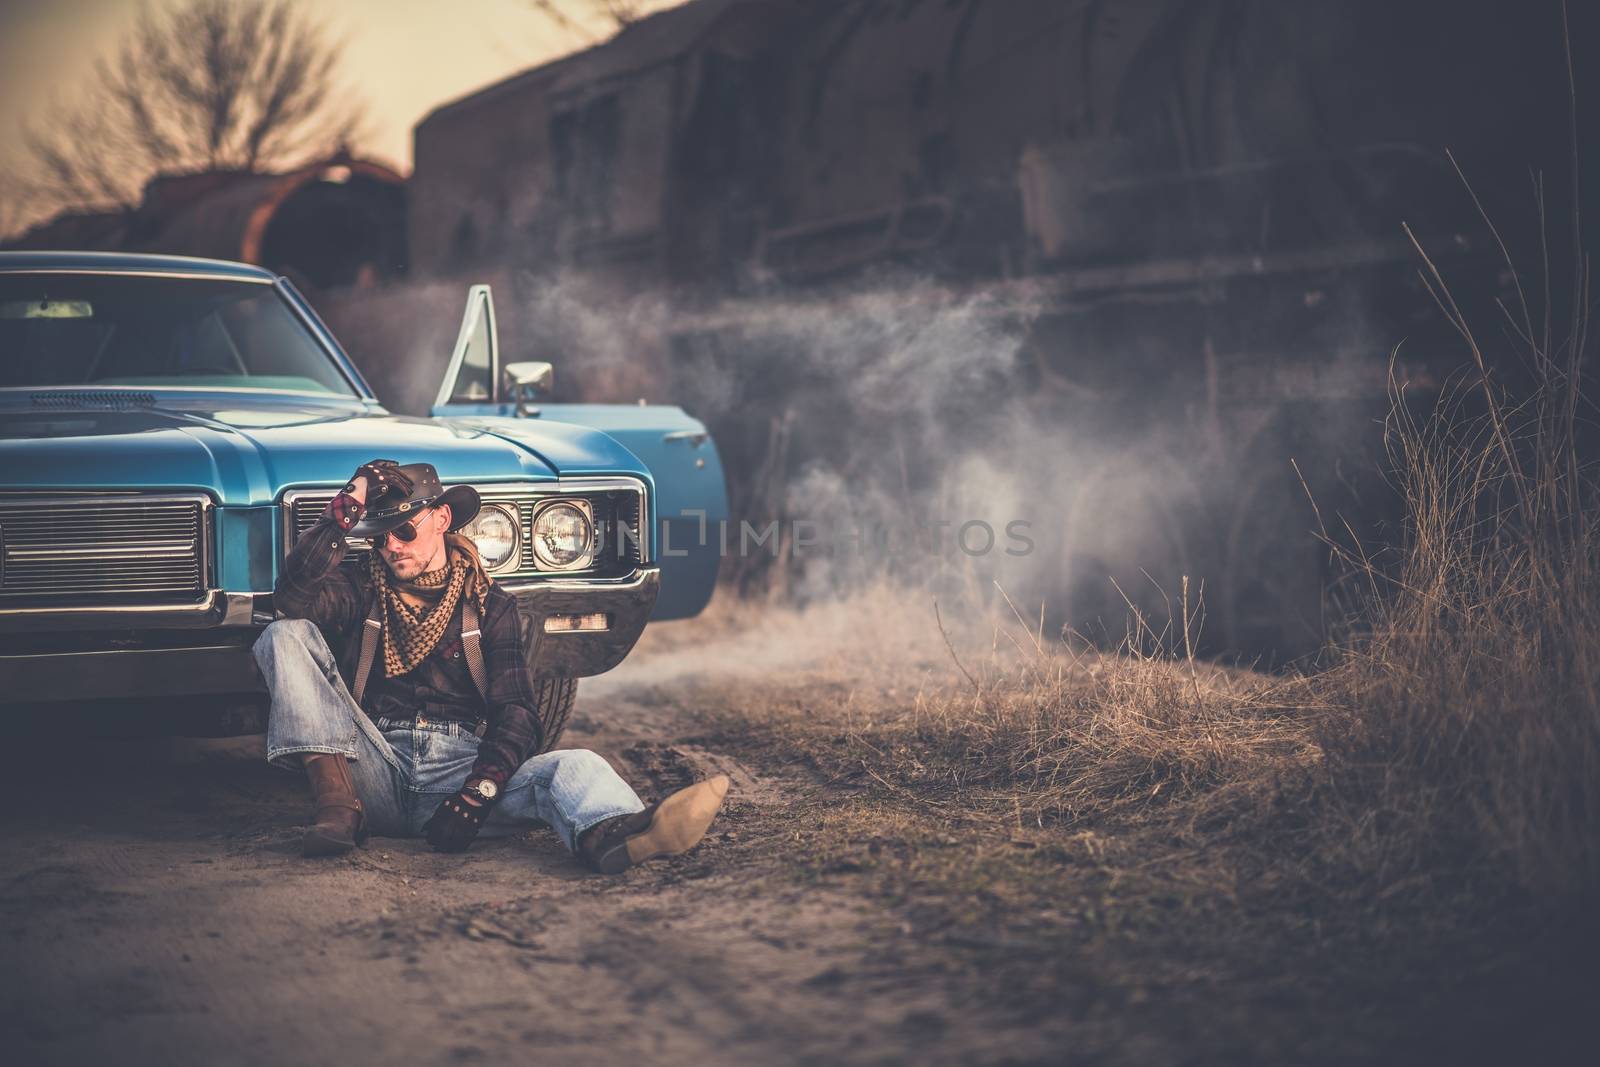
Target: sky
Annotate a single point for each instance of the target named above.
(405, 57)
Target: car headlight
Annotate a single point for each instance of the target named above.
(494, 531)
(563, 536)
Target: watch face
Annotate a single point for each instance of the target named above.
(487, 789)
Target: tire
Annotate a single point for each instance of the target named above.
(552, 695)
(552, 703)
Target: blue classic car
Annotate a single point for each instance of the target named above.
(169, 425)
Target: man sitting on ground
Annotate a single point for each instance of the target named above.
(396, 735)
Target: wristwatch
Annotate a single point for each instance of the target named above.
(482, 788)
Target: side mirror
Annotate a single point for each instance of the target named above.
(524, 381)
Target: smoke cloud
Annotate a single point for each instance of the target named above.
(958, 441)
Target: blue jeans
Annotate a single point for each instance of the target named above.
(403, 770)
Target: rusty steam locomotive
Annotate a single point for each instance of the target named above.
(1181, 223)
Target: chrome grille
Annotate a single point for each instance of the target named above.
(110, 549)
(625, 514)
(615, 502)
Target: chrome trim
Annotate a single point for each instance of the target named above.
(513, 562)
(347, 398)
(696, 438)
(627, 583)
(33, 498)
(324, 336)
(134, 272)
(499, 492)
(615, 483)
(157, 548)
(219, 608)
(447, 385)
(94, 494)
(99, 495)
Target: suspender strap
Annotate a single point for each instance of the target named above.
(371, 630)
(472, 645)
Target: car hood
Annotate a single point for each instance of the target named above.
(245, 450)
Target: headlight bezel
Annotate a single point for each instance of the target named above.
(513, 559)
(585, 511)
(617, 507)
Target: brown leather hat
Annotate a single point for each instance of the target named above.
(425, 493)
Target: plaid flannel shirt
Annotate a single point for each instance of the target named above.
(313, 586)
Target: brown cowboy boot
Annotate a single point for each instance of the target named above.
(665, 828)
(340, 823)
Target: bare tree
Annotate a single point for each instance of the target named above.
(13, 207)
(620, 13)
(554, 12)
(210, 85)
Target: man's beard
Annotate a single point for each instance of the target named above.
(410, 567)
(404, 568)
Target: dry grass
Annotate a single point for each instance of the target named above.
(1475, 698)
(1252, 861)
(1047, 732)
(1457, 738)
(991, 722)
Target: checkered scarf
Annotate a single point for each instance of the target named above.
(410, 633)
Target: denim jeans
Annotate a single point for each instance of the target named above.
(403, 770)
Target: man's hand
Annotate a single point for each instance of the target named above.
(456, 822)
(378, 478)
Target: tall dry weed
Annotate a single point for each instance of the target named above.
(1476, 691)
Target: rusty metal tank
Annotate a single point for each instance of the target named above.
(332, 223)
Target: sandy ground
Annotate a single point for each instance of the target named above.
(154, 909)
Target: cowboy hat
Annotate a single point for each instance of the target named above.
(389, 511)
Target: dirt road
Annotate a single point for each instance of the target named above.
(154, 910)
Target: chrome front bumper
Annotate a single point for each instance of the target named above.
(106, 653)
(219, 608)
(626, 602)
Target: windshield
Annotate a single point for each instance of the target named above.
(126, 329)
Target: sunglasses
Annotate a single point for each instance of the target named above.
(406, 531)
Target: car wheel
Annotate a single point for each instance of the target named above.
(552, 702)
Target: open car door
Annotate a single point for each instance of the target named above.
(691, 500)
